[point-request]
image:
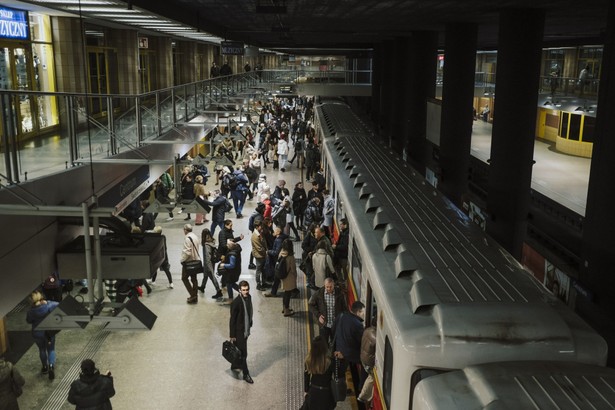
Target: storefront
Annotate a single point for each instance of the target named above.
(26, 64)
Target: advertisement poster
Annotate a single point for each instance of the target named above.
(557, 281)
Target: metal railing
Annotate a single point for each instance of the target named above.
(119, 123)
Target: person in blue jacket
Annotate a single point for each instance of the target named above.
(45, 340)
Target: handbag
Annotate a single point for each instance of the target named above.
(195, 266)
(17, 390)
(230, 352)
(338, 384)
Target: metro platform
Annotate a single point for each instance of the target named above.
(179, 364)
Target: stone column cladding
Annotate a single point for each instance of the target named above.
(68, 55)
(598, 228)
(421, 85)
(164, 57)
(512, 146)
(127, 46)
(456, 121)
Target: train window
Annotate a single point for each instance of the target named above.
(371, 310)
(420, 375)
(387, 376)
(357, 268)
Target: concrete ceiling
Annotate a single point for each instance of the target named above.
(356, 24)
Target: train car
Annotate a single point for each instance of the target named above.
(447, 296)
(519, 385)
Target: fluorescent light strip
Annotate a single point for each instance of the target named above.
(77, 2)
(102, 10)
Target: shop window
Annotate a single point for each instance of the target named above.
(563, 128)
(575, 127)
(589, 129)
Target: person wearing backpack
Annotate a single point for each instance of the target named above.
(218, 213)
(272, 256)
(210, 258)
(239, 189)
(287, 274)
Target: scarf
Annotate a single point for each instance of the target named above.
(246, 318)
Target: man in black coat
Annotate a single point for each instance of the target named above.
(218, 213)
(326, 305)
(239, 327)
(92, 390)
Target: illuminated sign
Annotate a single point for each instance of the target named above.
(14, 24)
(232, 48)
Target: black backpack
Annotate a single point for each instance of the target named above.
(280, 270)
(227, 206)
(230, 181)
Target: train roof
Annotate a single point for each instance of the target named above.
(438, 262)
(519, 385)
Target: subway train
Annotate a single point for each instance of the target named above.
(443, 294)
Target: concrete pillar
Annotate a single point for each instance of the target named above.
(377, 73)
(456, 120)
(386, 90)
(397, 104)
(421, 85)
(598, 228)
(512, 146)
(69, 60)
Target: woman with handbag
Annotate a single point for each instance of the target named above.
(319, 367)
(11, 382)
(45, 340)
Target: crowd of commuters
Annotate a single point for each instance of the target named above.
(284, 129)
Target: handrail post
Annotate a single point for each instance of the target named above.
(6, 114)
(173, 114)
(72, 135)
(185, 87)
(88, 255)
(111, 126)
(12, 134)
(158, 114)
(139, 122)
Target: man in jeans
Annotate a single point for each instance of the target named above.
(259, 251)
(190, 253)
(326, 305)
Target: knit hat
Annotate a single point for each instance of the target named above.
(88, 366)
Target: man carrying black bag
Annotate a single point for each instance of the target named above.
(191, 263)
(239, 327)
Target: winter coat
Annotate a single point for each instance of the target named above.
(299, 201)
(259, 245)
(290, 281)
(312, 214)
(232, 265)
(208, 249)
(8, 401)
(368, 347)
(92, 392)
(282, 147)
(36, 315)
(318, 307)
(348, 334)
(217, 214)
(322, 264)
(190, 249)
(328, 210)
